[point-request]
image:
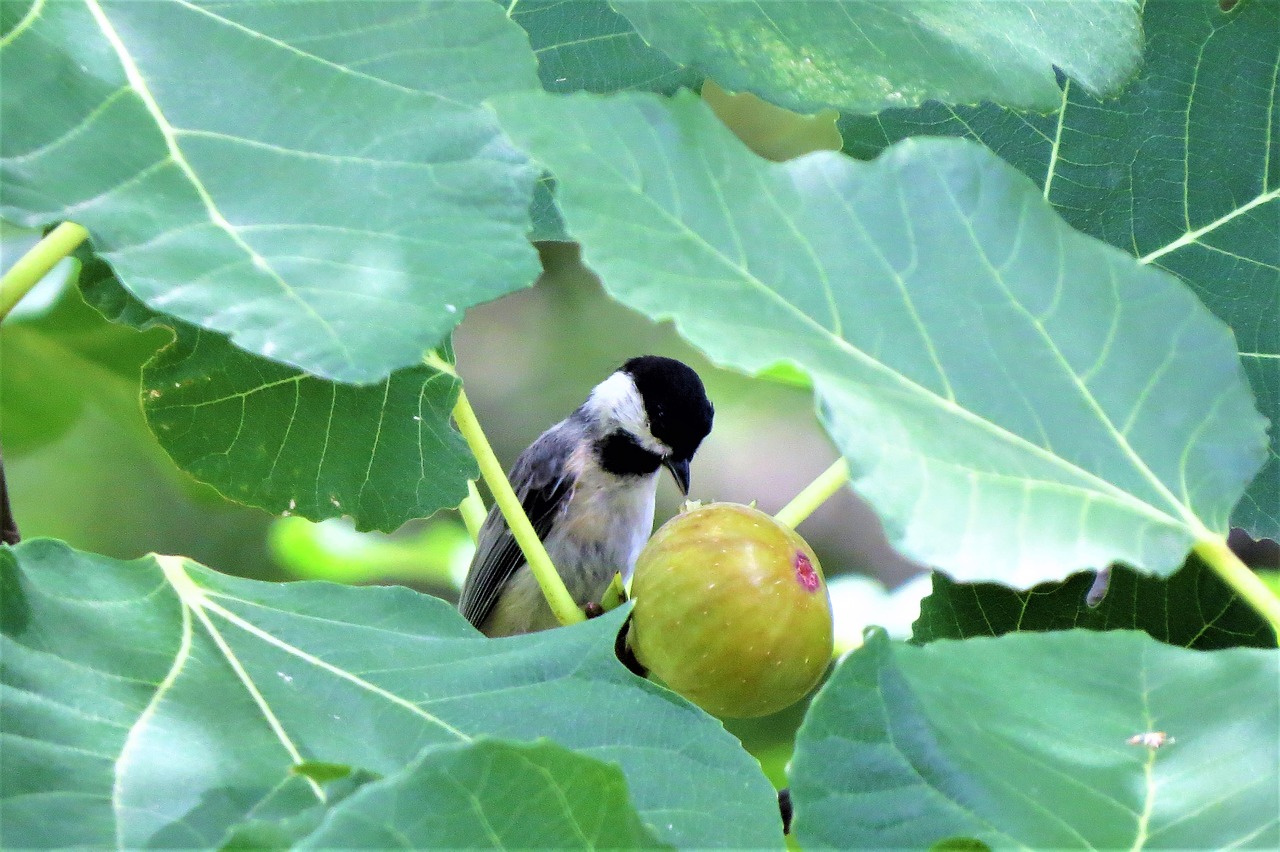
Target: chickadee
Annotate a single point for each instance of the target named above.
(588, 486)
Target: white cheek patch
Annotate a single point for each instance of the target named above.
(616, 399)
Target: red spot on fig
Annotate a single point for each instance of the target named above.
(805, 575)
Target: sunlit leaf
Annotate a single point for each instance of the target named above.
(866, 55)
(315, 181)
(995, 379)
(1180, 171)
(164, 704)
(1036, 741)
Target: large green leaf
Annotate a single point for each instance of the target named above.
(1193, 608)
(490, 794)
(484, 793)
(314, 180)
(867, 55)
(994, 378)
(1024, 741)
(163, 703)
(1180, 170)
(293, 810)
(585, 44)
(274, 437)
(277, 438)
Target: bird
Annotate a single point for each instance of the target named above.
(588, 485)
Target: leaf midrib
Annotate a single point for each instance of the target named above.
(121, 763)
(200, 602)
(911, 386)
(1139, 464)
(133, 74)
(312, 57)
(1192, 235)
(33, 13)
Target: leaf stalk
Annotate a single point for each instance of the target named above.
(473, 510)
(814, 494)
(36, 263)
(553, 588)
(1237, 575)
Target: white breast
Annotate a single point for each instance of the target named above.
(612, 518)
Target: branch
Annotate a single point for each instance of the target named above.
(814, 494)
(36, 263)
(473, 511)
(558, 597)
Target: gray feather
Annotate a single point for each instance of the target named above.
(544, 486)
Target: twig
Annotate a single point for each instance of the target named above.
(8, 525)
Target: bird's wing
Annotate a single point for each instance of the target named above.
(544, 489)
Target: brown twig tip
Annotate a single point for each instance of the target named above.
(8, 524)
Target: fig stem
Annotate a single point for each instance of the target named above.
(814, 494)
(1223, 560)
(553, 588)
(36, 263)
(472, 510)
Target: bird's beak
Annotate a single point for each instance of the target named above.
(680, 470)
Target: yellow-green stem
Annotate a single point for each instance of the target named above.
(558, 597)
(1243, 581)
(473, 511)
(35, 264)
(814, 494)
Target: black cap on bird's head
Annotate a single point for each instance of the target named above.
(677, 408)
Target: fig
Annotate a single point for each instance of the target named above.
(731, 611)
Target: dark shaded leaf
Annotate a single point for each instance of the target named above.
(294, 444)
(586, 45)
(1192, 608)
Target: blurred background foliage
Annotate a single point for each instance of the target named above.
(80, 462)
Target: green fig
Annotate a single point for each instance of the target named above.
(731, 611)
